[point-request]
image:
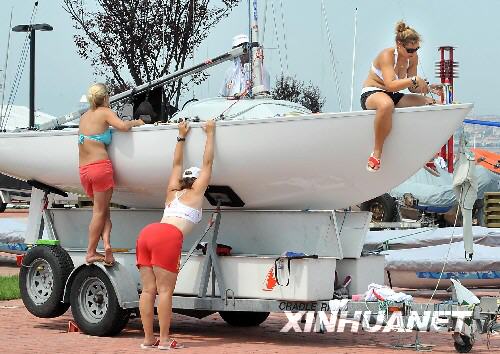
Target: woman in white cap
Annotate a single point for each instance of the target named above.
(158, 248)
(237, 78)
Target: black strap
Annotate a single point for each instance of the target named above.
(276, 270)
(313, 256)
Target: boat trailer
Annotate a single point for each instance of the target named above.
(244, 286)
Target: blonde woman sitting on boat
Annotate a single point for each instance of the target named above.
(96, 170)
(159, 245)
(394, 69)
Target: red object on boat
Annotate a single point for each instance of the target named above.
(221, 250)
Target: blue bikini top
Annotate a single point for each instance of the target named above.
(104, 137)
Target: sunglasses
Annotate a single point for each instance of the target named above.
(411, 50)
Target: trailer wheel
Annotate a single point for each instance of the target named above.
(383, 208)
(3, 206)
(42, 279)
(94, 303)
(463, 344)
(243, 318)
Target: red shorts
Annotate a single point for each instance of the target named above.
(159, 245)
(97, 177)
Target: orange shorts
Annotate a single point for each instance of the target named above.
(97, 177)
(159, 245)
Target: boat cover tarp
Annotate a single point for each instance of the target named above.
(415, 238)
(435, 193)
(430, 259)
(12, 230)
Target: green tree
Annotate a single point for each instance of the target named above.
(135, 41)
(291, 89)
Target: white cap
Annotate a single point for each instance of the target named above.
(240, 39)
(191, 172)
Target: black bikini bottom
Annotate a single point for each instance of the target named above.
(395, 96)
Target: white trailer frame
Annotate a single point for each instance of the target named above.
(43, 228)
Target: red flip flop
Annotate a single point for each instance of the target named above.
(375, 164)
(173, 345)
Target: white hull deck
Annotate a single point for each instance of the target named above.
(311, 161)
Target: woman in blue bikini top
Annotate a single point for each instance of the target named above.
(96, 170)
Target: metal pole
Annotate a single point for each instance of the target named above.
(32, 79)
(354, 56)
(256, 53)
(443, 153)
(5, 70)
(451, 70)
(452, 89)
(250, 56)
(450, 155)
(162, 91)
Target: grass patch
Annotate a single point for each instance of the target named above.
(9, 287)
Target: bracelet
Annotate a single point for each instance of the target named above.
(181, 138)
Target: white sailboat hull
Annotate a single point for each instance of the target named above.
(312, 161)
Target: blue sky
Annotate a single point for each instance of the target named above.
(472, 26)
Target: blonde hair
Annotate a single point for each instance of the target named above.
(96, 95)
(406, 34)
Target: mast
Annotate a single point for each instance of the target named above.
(256, 51)
(4, 78)
(354, 56)
(234, 53)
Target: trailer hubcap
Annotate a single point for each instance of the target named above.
(40, 281)
(93, 300)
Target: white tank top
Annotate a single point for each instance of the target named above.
(180, 210)
(378, 72)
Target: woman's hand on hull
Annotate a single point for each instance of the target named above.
(183, 128)
(209, 126)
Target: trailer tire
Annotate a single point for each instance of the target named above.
(42, 279)
(3, 206)
(243, 318)
(383, 208)
(463, 344)
(94, 303)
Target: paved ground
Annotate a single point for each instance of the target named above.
(8, 261)
(14, 213)
(25, 333)
(28, 334)
(6, 267)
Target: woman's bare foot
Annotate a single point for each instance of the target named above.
(108, 258)
(150, 343)
(96, 257)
